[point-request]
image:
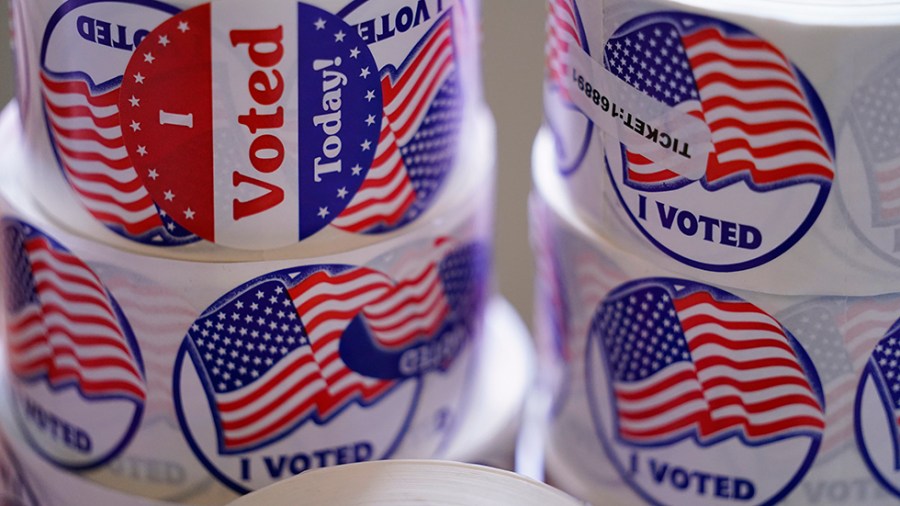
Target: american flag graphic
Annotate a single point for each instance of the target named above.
(764, 131)
(563, 28)
(699, 363)
(419, 132)
(875, 116)
(884, 365)
(863, 321)
(270, 353)
(85, 126)
(63, 326)
(817, 326)
(158, 316)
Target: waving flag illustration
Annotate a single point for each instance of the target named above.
(874, 113)
(885, 369)
(161, 316)
(419, 129)
(764, 129)
(86, 130)
(863, 322)
(699, 363)
(818, 327)
(563, 27)
(271, 353)
(63, 325)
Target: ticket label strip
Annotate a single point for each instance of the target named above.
(292, 367)
(716, 144)
(130, 113)
(698, 395)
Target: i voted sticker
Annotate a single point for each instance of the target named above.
(871, 200)
(78, 383)
(876, 411)
(86, 47)
(745, 172)
(700, 397)
(323, 365)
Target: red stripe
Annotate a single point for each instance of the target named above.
(269, 384)
(279, 401)
(763, 152)
(85, 363)
(710, 338)
(657, 387)
(57, 375)
(391, 91)
(755, 385)
(713, 103)
(78, 87)
(711, 57)
(761, 177)
(89, 156)
(567, 23)
(671, 404)
(747, 365)
(389, 219)
(734, 43)
(420, 107)
(83, 111)
(669, 429)
(84, 134)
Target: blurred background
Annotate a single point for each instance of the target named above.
(512, 53)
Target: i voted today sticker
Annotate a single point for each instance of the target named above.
(253, 128)
(323, 365)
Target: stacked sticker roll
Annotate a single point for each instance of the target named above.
(485, 436)
(242, 241)
(714, 218)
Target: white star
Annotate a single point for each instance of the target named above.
(169, 195)
(370, 95)
(364, 73)
(323, 212)
(142, 150)
(320, 24)
(135, 126)
(164, 40)
(356, 169)
(138, 78)
(354, 53)
(152, 174)
(366, 145)
(189, 214)
(370, 120)
(342, 192)
(148, 57)
(339, 37)
(135, 102)
(183, 26)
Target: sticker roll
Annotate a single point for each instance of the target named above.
(410, 482)
(197, 126)
(481, 160)
(743, 143)
(674, 391)
(485, 435)
(29, 481)
(250, 371)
